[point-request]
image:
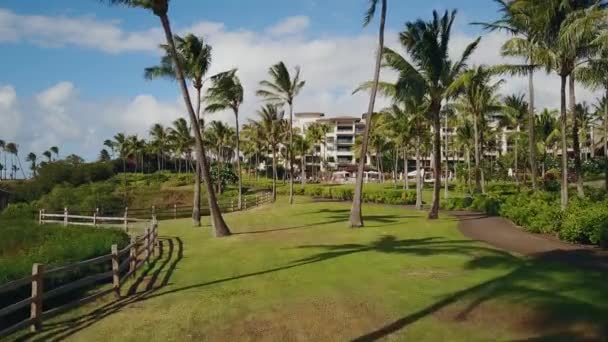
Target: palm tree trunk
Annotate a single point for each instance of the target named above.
(274, 174)
(290, 153)
(435, 110)
(406, 183)
(418, 178)
(578, 172)
(238, 158)
(564, 123)
(196, 205)
(606, 144)
(477, 155)
(468, 152)
(515, 152)
(356, 218)
(531, 130)
(217, 221)
(124, 173)
(447, 159)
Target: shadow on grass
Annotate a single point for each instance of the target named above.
(145, 284)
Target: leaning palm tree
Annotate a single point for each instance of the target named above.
(226, 92)
(432, 71)
(55, 151)
(356, 217)
(160, 8)
(13, 149)
(31, 157)
(282, 88)
(48, 155)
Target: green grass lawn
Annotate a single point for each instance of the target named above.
(298, 274)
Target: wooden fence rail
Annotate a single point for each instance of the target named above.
(134, 255)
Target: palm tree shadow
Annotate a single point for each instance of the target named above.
(147, 283)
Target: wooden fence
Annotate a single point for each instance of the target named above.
(123, 264)
(130, 215)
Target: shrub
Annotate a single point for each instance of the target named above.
(457, 203)
(537, 213)
(586, 222)
(488, 203)
(19, 211)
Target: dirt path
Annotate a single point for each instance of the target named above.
(503, 234)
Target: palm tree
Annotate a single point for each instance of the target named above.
(282, 88)
(227, 93)
(465, 139)
(432, 72)
(195, 57)
(3, 150)
(160, 8)
(479, 99)
(221, 138)
(526, 37)
(48, 155)
(55, 151)
(270, 128)
(548, 133)
(31, 157)
(13, 149)
(160, 140)
(356, 217)
(104, 156)
(182, 141)
(400, 124)
(601, 108)
(514, 114)
(302, 146)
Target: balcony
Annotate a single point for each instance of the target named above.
(344, 149)
(344, 129)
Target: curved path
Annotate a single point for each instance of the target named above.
(503, 234)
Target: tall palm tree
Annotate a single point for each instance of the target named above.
(356, 217)
(400, 124)
(431, 71)
(104, 156)
(465, 140)
(548, 132)
(55, 151)
(221, 138)
(160, 8)
(226, 92)
(271, 128)
(525, 39)
(195, 56)
(479, 99)
(514, 115)
(121, 145)
(282, 88)
(31, 157)
(302, 146)
(182, 140)
(601, 108)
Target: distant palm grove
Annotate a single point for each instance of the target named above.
(447, 117)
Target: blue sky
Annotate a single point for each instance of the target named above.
(71, 70)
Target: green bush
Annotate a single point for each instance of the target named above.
(489, 204)
(586, 222)
(457, 203)
(537, 213)
(19, 211)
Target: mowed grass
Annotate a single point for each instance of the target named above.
(296, 273)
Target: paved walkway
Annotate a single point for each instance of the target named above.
(503, 234)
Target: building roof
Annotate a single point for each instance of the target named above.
(309, 115)
(341, 118)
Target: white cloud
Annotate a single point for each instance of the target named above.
(290, 25)
(10, 117)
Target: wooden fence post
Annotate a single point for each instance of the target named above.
(133, 256)
(153, 210)
(95, 219)
(245, 203)
(231, 205)
(115, 271)
(37, 292)
(40, 216)
(175, 211)
(65, 216)
(126, 227)
(147, 245)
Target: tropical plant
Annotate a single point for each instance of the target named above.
(159, 143)
(13, 149)
(104, 156)
(513, 116)
(55, 151)
(182, 142)
(282, 89)
(32, 158)
(430, 72)
(160, 8)
(356, 218)
(48, 155)
(226, 92)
